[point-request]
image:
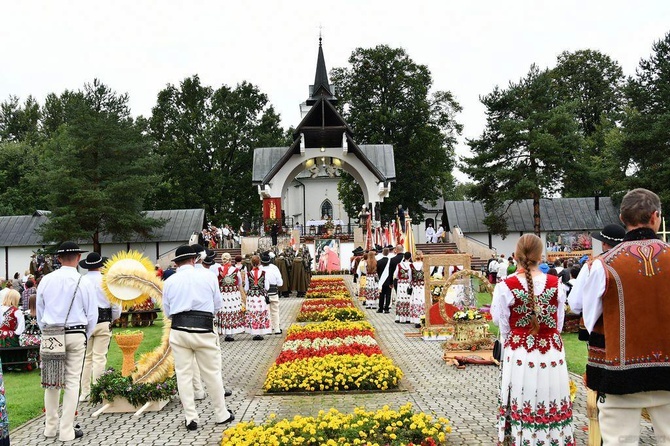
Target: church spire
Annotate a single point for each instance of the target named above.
(321, 85)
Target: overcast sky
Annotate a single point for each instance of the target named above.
(470, 46)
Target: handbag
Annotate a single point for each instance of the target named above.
(497, 350)
(52, 351)
(409, 289)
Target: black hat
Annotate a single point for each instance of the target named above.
(209, 260)
(184, 252)
(93, 261)
(611, 234)
(210, 252)
(69, 248)
(358, 251)
(198, 248)
(265, 258)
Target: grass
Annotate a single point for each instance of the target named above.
(25, 396)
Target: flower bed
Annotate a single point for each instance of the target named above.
(332, 314)
(320, 288)
(382, 427)
(331, 356)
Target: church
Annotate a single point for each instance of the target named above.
(299, 183)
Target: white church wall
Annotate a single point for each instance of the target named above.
(316, 191)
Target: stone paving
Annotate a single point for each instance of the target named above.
(468, 398)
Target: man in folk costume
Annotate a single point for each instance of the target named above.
(190, 298)
(299, 276)
(626, 310)
(64, 299)
(98, 344)
(274, 278)
(577, 292)
(284, 288)
(387, 282)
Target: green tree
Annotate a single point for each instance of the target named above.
(19, 122)
(95, 170)
(204, 142)
(17, 164)
(524, 149)
(593, 84)
(386, 98)
(646, 144)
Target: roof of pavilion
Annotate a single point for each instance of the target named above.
(557, 214)
(22, 230)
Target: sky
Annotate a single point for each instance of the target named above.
(140, 46)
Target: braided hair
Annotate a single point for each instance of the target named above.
(529, 253)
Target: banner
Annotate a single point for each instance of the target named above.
(272, 209)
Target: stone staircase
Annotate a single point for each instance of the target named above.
(441, 248)
(232, 251)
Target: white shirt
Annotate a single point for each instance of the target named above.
(272, 274)
(430, 234)
(20, 319)
(54, 295)
(404, 265)
(502, 269)
(587, 292)
(503, 300)
(95, 279)
(191, 289)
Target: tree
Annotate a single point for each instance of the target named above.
(19, 123)
(205, 140)
(593, 84)
(17, 164)
(385, 97)
(525, 148)
(95, 170)
(647, 124)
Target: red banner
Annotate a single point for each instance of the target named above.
(272, 209)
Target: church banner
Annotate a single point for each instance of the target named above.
(272, 209)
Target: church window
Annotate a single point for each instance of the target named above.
(326, 209)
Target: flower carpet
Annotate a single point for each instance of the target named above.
(383, 427)
(338, 354)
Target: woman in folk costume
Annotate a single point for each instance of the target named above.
(362, 277)
(258, 311)
(12, 324)
(229, 319)
(528, 306)
(417, 300)
(371, 281)
(403, 274)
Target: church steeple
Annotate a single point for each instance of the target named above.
(321, 87)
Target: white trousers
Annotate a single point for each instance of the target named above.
(75, 348)
(96, 357)
(620, 415)
(274, 313)
(203, 347)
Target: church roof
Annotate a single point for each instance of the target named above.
(321, 85)
(21, 230)
(557, 214)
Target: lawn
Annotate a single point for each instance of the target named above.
(25, 396)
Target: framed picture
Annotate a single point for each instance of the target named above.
(440, 297)
(327, 255)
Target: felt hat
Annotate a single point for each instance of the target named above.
(265, 258)
(184, 252)
(358, 251)
(92, 261)
(209, 260)
(200, 251)
(611, 234)
(69, 248)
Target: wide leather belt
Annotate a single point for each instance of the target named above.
(273, 289)
(193, 321)
(104, 315)
(76, 328)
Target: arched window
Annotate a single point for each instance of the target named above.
(326, 209)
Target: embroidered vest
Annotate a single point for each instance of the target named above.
(521, 312)
(417, 276)
(629, 347)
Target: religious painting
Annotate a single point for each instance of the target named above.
(327, 255)
(439, 288)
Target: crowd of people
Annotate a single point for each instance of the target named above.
(620, 294)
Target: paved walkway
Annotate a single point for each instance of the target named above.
(466, 397)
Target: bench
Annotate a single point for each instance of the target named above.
(143, 318)
(26, 348)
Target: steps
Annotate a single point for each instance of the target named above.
(232, 251)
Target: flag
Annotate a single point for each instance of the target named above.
(399, 236)
(409, 236)
(368, 234)
(392, 233)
